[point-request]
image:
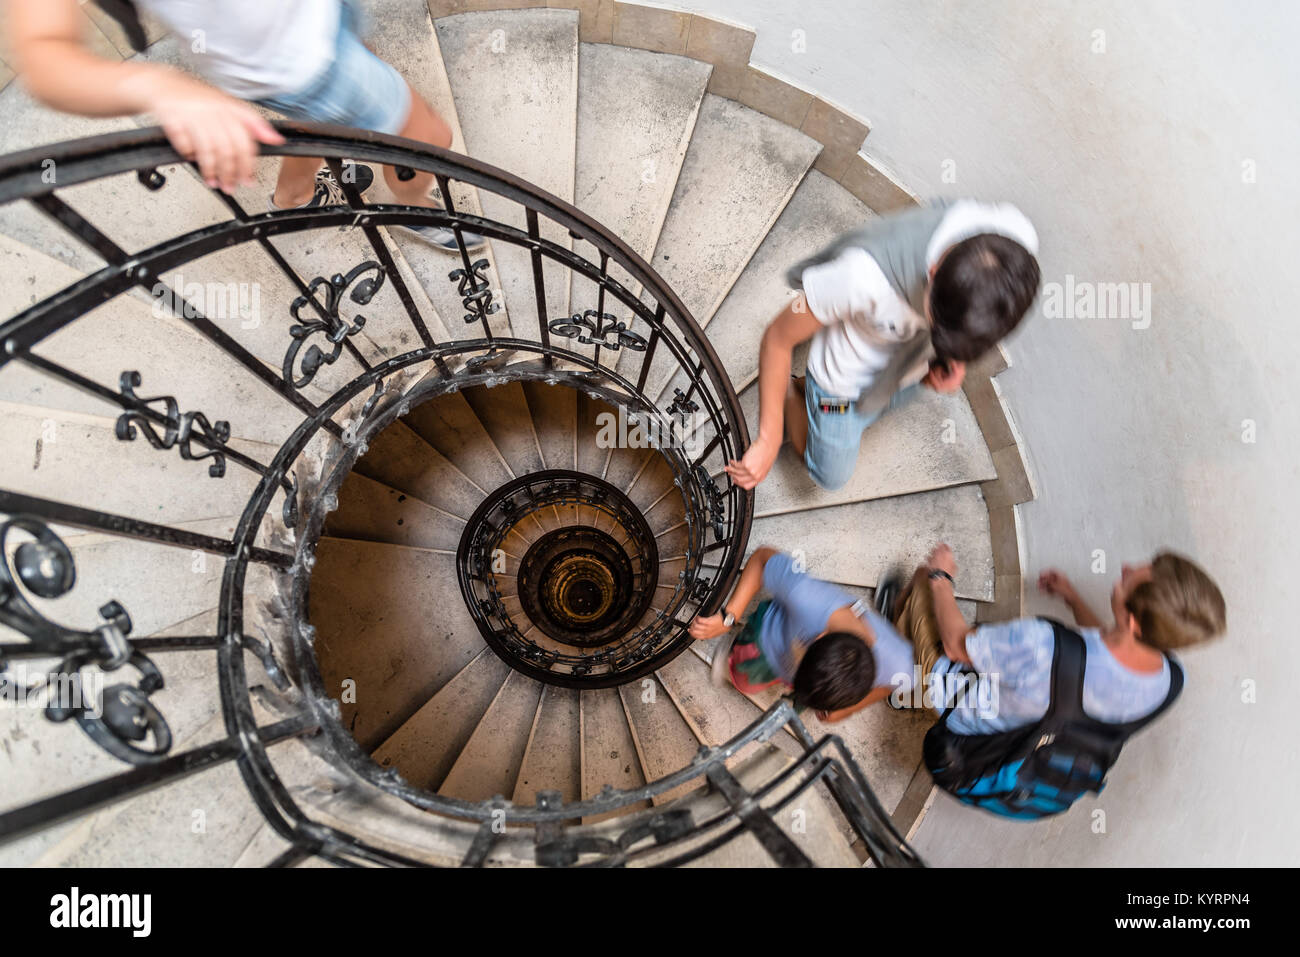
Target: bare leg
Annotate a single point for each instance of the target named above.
(297, 181)
(796, 416)
(428, 127)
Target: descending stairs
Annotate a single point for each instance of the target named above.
(719, 198)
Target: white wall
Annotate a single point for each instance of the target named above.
(1129, 161)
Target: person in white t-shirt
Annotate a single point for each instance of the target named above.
(302, 58)
(907, 300)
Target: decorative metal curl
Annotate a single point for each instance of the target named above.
(596, 328)
(475, 291)
(335, 329)
(681, 405)
(179, 430)
(45, 567)
(713, 499)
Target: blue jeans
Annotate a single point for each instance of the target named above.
(834, 438)
(357, 89)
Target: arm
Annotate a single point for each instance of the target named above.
(952, 626)
(705, 627)
(1055, 583)
(775, 356)
(877, 694)
(204, 125)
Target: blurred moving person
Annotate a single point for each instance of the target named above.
(302, 58)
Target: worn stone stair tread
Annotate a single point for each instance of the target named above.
(391, 619)
(426, 746)
(889, 531)
(449, 424)
(664, 741)
(48, 448)
(609, 756)
(739, 172)
(401, 459)
(636, 112)
(503, 412)
(716, 715)
(929, 442)
(552, 757)
(554, 409)
(490, 762)
(514, 77)
(809, 820)
(372, 511)
(403, 34)
(819, 210)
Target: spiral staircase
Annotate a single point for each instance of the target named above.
(397, 546)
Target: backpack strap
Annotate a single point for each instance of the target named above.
(1061, 681)
(128, 18)
(1069, 661)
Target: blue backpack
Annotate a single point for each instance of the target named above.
(1041, 769)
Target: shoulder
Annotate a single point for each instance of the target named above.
(968, 217)
(1014, 647)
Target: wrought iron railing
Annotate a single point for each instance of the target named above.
(283, 516)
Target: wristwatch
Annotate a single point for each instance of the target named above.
(940, 573)
(728, 619)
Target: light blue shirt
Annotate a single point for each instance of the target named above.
(1014, 660)
(801, 607)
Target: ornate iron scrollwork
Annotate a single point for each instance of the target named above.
(180, 428)
(714, 501)
(363, 289)
(596, 328)
(124, 716)
(681, 405)
(475, 291)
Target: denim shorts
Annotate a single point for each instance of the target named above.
(834, 438)
(357, 89)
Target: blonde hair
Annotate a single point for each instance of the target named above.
(1180, 606)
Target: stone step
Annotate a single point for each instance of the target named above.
(664, 741)
(449, 425)
(819, 210)
(931, 441)
(856, 543)
(503, 412)
(514, 77)
(402, 33)
(636, 113)
(400, 459)
(426, 746)
(554, 409)
(490, 762)
(392, 620)
(124, 334)
(809, 820)
(552, 761)
(371, 511)
(48, 452)
(609, 756)
(740, 171)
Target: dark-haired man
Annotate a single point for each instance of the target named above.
(835, 653)
(909, 299)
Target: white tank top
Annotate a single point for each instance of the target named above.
(254, 49)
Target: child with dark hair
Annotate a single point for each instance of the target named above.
(834, 652)
(907, 300)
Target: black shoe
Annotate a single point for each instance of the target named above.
(887, 592)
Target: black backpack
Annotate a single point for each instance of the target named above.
(1041, 769)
